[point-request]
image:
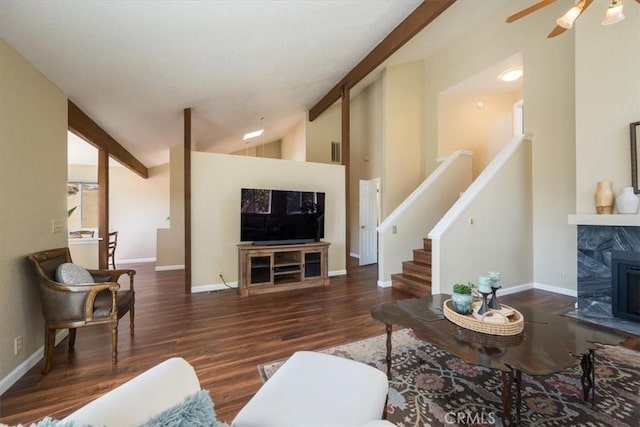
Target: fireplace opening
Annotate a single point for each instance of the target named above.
(625, 278)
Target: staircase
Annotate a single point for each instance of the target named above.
(416, 275)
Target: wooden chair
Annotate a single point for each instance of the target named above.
(113, 242)
(74, 306)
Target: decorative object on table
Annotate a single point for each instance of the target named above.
(484, 287)
(506, 321)
(604, 198)
(627, 201)
(494, 278)
(635, 156)
(462, 297)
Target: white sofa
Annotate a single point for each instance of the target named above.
(309, 389)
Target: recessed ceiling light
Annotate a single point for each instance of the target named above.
(252, 134)
(511, 74)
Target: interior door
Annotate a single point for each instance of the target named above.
(368, 221)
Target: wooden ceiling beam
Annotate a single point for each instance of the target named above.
(84, 126)
(426, 12)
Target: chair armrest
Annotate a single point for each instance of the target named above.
(101, 276)
(77, 299)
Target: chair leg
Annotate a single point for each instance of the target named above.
(72, 338)
(131, 319)
(114, 343)
(49, 347)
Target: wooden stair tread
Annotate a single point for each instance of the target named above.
(418, 288)
(416, 270)
(416, 275)
(422, 257)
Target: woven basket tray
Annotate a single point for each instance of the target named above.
(513, 325)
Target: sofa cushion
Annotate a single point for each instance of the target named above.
(73, 274)
(316, 389)
(195, 411)
(141, 398)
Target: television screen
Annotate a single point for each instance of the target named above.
(281, 216)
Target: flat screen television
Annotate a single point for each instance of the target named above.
(277, 217)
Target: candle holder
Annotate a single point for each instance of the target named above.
(494, 304)
(485, 307)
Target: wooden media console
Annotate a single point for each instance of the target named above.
(274, 268)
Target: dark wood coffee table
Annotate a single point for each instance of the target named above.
(549, 343)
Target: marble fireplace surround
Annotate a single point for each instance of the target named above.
(595, 244)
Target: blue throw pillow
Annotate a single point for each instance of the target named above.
(50, 422)
(195, 411)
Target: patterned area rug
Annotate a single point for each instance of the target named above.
(430, 387)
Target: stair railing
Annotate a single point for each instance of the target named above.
(403, 230)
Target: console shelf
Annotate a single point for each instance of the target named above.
(274, 268)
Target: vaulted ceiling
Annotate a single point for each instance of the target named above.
(133, 66)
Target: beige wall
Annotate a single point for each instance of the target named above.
(33, 179)
(548, 114)
(403, 133)
(293, 143)
(170, 241)
(321, 132)
(137, 207)
(215, 196)
(366, 149)
(499, 239)
(484, 131)
(607, 100)
(271, 150)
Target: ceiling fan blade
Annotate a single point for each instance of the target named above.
(531, 9)
(556, 31)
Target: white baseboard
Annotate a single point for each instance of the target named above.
(354, 255)
(540, 286)
(556, 289)
(169, 267)
(135, 260)
(516, 289)
(214, 287)
(382, 284)
(337, 273)
(30, 362)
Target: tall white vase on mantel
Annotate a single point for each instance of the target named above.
(627, 201)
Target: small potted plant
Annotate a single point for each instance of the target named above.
(462, 297)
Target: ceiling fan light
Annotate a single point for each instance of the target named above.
(511, 74)
(614, 13)
(567, 20)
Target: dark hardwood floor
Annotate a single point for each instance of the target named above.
(223, 336)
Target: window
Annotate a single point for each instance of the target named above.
(82, 205)
(335, 152)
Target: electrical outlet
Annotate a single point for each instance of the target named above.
(470, 220)
(17, 344)
(220, 273)
(394, 229)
